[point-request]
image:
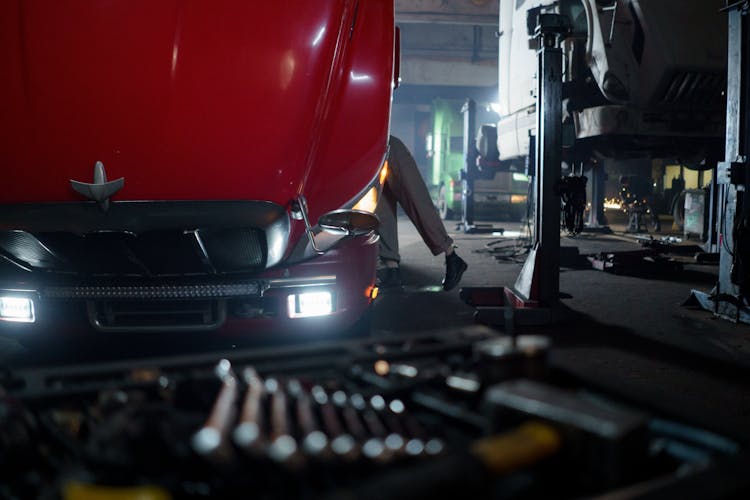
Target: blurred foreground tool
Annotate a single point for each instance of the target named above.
(248, 433)
(591, 444)
(607, 444)
(211, 440)
(75, 490)
(464, 475)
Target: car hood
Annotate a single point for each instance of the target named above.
(220, 100)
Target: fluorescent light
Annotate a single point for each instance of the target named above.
(309, 304)
(517, 176)
(17, 309)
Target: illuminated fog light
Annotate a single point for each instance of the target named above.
(18, 309)
(309, 304)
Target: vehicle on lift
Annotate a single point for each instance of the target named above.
(641, 79)
(499, 190)
(243, 193)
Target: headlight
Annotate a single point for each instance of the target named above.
(310, 304)
(16, 309)
(369, 201)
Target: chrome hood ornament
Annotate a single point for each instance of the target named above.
(100, 190)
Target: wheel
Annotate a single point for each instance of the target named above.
(442, 205)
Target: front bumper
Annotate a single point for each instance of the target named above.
(257, 304)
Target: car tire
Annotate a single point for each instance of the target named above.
(442, 205)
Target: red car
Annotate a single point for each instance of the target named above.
(191, 165)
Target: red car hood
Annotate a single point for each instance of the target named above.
(195, 100)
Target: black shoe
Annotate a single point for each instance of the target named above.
(454, 269)
(388, 277)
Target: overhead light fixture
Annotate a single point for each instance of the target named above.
(16, 309)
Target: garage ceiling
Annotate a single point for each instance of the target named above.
(448, 42)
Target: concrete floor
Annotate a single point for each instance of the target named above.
(629, 335)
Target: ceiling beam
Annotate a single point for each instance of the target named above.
(419, 71)
(477, 12)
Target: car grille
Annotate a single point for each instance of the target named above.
(129, 316)
(150, 254)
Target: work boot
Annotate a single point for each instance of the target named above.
(454, 269)
(388, 277)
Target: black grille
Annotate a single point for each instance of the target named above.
(232, 249)
(150, 254)
(156, 315)
(23, 247)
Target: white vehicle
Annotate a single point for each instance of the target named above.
(642, 78)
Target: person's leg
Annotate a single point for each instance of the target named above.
(388, 274)
(406, 185)
(386, 212)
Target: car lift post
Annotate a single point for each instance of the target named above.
(539, 280)
(535, 298)
(597, 219)
(728, 299)
(469, 171)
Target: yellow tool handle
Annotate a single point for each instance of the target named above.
(74, 490)
(519, 448)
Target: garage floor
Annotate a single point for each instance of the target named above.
(627, 334)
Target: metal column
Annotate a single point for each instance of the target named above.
(469, 172)
(539, 280)
(535, 297)
(597, 219)
(733, 173)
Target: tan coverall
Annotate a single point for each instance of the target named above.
(406, 187)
